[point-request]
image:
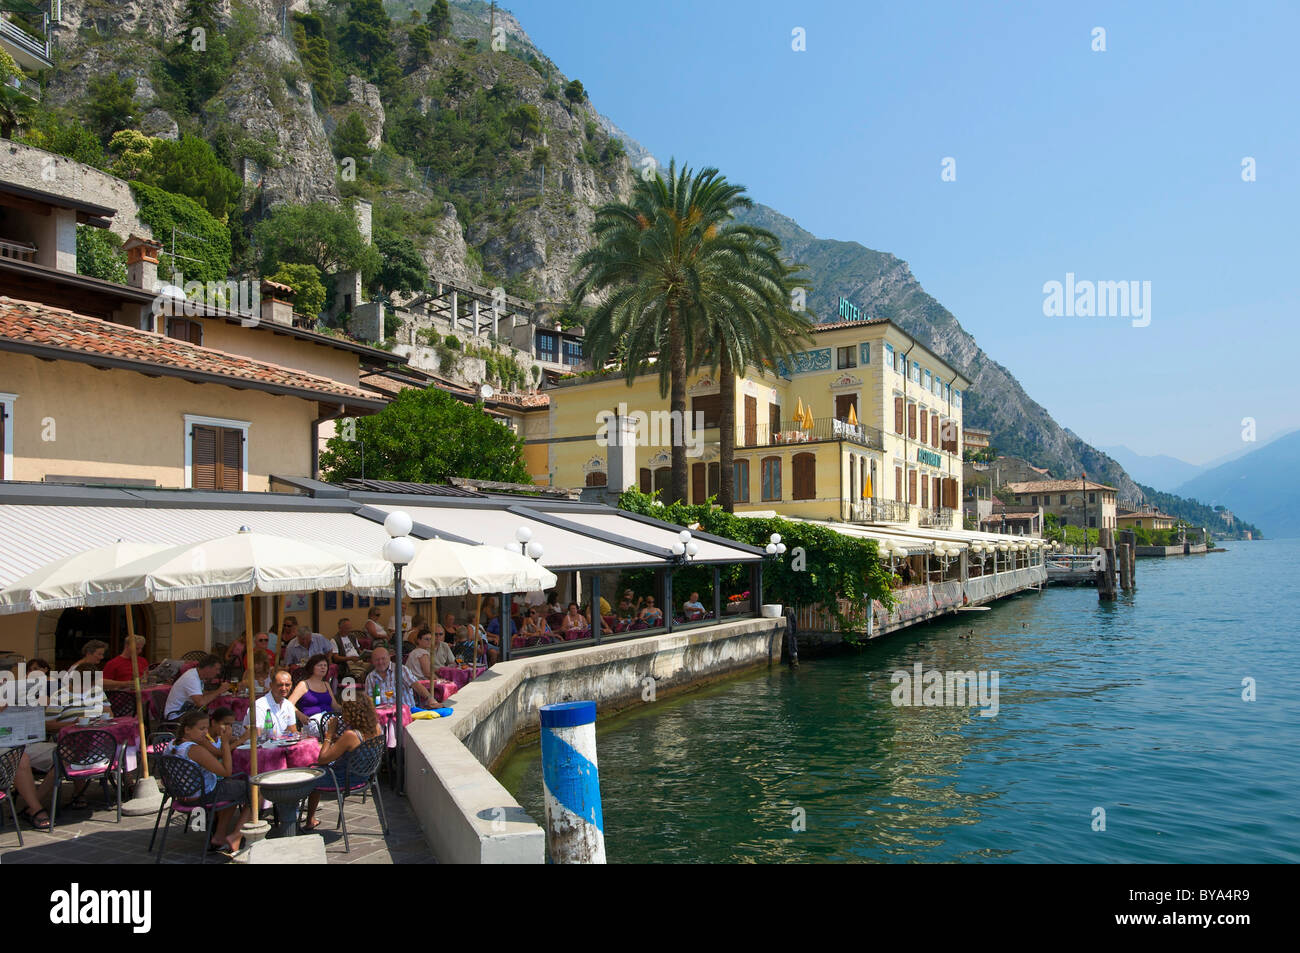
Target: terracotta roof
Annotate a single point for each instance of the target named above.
(29, 327)
(524, 400)
(1056, 486)
(1145, 513)
(837, 325)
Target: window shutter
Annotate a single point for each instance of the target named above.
(925, 490)
(697, 483)
(646, 484)
(742, 481)
(925, 427)
(934, 431)
(911, 421)
(805, 476)
(911, 486)
(751, 421)
(232, 460)
(203, 458)
(898, 483)
(710, 406)
(898, 415)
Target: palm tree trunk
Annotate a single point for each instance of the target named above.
(677, 403)
(727, 433)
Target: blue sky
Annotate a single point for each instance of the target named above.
(1123, 165)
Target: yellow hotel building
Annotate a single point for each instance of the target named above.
(863, 426)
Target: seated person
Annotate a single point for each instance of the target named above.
(374, 631)
(261, 677)
(450, 628)
(117, 671)
(535, 626)
(218, 720)
(604, 626)
(442, 653)
(313, 695)
(384, 677)
(574, 621)
(92, 654)
(284, 715)
(692, 608)
(189, 687)
(39, 757)
(337, 747)
(628, 607)
(305, 644)
(553, 603)
(493, 627)
(651, 615)
(465, 647)
(234, 658)
(420, 659)
(219, 779)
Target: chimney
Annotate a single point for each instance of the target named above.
(277, 302)
(142, 263)
(621, 450)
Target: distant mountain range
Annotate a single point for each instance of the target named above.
(1162, 471)
(1259, 486)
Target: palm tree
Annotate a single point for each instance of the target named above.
(754, 323)
(655, 262)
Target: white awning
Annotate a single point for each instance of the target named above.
(656, 535)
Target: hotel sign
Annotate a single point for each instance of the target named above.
(928, 457)
(849, 311)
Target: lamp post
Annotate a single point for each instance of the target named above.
(399, 550)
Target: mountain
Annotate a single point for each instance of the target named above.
(1259, 487)
(1160, 471)
(884, 287)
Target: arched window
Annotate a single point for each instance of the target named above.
(805, 476)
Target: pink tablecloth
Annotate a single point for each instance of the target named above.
(235, 703)
(461, 676)
(386, 716)
(125, 730)
(442, 689)
(155, 697)
(301, 755)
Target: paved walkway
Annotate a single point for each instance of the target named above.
(94, 837)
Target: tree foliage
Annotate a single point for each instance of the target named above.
(318, 234)
(427, 436)
(837, 566)
(199, 62)
(308, 291)
(403, 270)
(99, 254)
(186, 166)
(438, 16)
(110, 104)
(198, 235)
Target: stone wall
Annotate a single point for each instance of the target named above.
(37, 169)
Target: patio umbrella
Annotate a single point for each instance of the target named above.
(853, 416)
(240, 564)
(61, 585)
(798, 412)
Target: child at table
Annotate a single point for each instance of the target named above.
(219, 779)
(217, 722)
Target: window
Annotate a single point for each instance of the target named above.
(956, 397)
(1062, 499)
(1092, 521)
(773, 421)
(911, 486)
(889, 357)
(183, 329)
(865, 356)
(805, 476)
(705, 480)
(1033, 501)
(710, 406)
(911, 421)
(572, 351)
(898, 483)
(925, 492)
(934, 430)
(916, 372)
(596, 478)
(926, 382)
(925, 427)
(663, 481)
(751, 420)
(771, 472)
(7, 436)
(741, 470)
(647, 480)
(845, 357)
(1092, 497)
(842, 404)
(898, 415)
(216, 455)
(546, 346)
(947, 392)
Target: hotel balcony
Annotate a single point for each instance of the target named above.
(24, 34)
(938, 518)
(878, 511)
(824, 429)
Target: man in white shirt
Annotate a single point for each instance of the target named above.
(189, 687)
(285, 717)
(307, 644)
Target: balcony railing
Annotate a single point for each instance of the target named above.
(878, 511)
(18, 251)
(12, 33)
(939, 518)
(823, 429)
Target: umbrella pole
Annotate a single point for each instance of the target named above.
(147, 797)
(478, 628)
(249, 643)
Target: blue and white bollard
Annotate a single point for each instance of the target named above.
(575, 827)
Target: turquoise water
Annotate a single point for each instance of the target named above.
(1134, 707)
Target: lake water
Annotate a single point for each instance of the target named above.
(1133, 707)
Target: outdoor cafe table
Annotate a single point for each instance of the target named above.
(298, 755)
(124, 730)
(461, 676)
(155, 697)
(236, 703)
(386, 715)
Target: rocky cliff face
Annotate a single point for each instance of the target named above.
(885, 287)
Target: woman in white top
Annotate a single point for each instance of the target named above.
(213, 761)
(373, 629)
(420, 660)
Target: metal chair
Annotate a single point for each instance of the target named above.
(8, 773)
(87, 754)
(357, 772)
(122, 704)
(157, 743)
(194, 656)
(328, 718)
(181, 781)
